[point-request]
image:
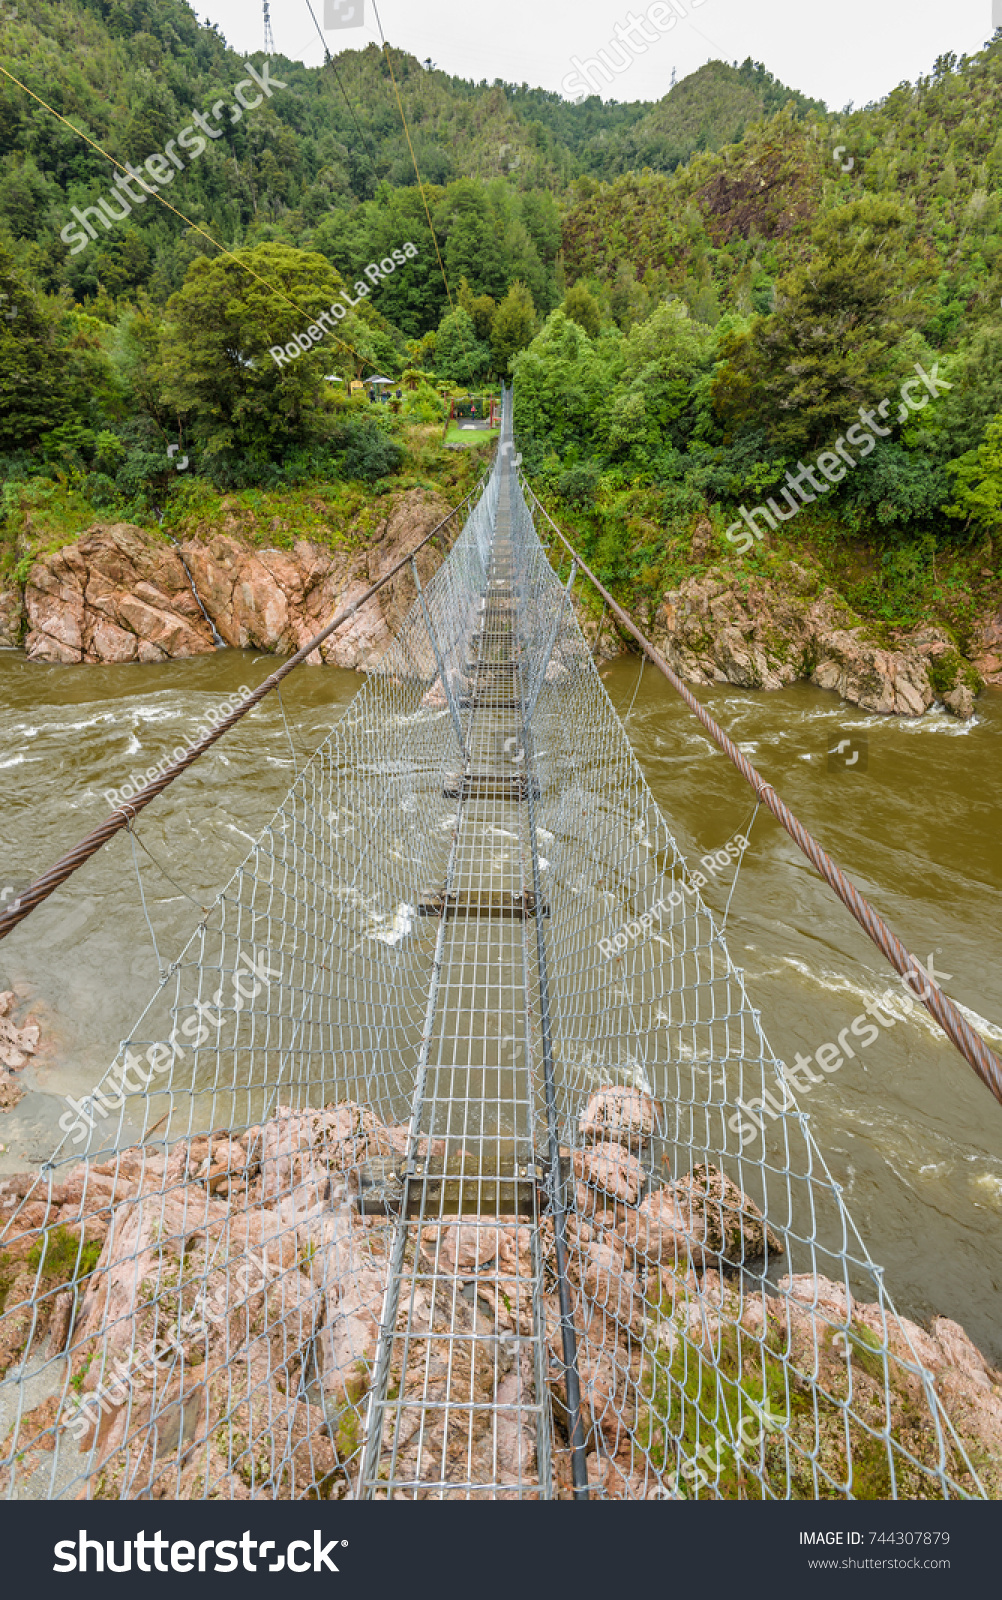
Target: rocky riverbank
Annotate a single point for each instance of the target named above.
(121, 594)
(761, 633)
(202, 1321)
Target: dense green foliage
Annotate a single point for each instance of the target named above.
(709, 109)
(696, 298)
(806, 289)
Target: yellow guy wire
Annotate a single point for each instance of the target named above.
(365, 360)
(407, 136)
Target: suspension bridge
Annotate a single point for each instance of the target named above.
(416, 1181)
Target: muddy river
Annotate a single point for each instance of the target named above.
(910, 809)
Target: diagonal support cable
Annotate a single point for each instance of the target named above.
(940, 1007)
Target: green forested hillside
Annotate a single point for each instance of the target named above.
(129, 75)
(696, 297)
(804, 272)
(711, 108)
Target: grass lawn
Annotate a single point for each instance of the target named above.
(469, 436)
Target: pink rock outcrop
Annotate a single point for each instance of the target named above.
(659, 1232)
(11, 618)
(621, 1115)
(609, 1168)
(988, 653)
(764, 635)
(120, 594)
(17, 1042)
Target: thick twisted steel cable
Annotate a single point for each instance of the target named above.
(941, 1008)
(123, 815)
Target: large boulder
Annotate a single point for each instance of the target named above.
(721, 1218)
(660, 1233)
(623, 1116)
(103, 598)
(611, 1170)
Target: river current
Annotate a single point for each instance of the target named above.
(909, 809)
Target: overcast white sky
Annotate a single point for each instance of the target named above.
(856, 50)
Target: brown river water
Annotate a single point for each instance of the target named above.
(907, 1128)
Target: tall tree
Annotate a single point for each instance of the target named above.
(584, 309)
(835, 341)
(459, 354)
(34, 396)
(562, 382)
(481, 308)
(514, 326)
(220, 331)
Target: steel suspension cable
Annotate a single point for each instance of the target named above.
(420, 183)
(330, 62)
(123, 815)
(941, 1008)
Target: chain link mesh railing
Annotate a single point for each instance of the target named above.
(450, 1158)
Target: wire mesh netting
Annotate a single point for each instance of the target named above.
(450, 1159)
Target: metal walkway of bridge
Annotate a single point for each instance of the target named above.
(428, 1175)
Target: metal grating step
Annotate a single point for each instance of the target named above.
(383, 1188)
(488, 786)
(481, 903)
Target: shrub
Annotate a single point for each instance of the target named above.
(577, 485)
(100, 491)
(109, 453)
(424, 405)
(69, 442)
(140, 470)
(369, 454)
(61, 1256)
